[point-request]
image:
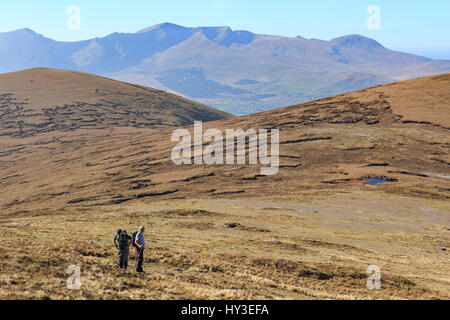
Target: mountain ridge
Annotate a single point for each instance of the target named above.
(282, 70)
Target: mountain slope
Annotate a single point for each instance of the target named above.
(211, 64)
(396, 132)
(44, 100)
(226, 231)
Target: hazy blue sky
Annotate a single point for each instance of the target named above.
(405, 24)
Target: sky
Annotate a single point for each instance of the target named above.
(409, 25)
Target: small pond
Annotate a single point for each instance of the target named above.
(374, 181)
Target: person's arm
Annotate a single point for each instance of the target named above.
(115, 242)
(136, 242)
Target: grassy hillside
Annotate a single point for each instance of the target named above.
(309, 231)
(46, 100)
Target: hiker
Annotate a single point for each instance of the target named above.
(122, 242)
(140, 246)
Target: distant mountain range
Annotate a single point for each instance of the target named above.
(236, 71)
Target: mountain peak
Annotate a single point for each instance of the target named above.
(163, 26)
(356, 41)
(28, 30)
(22, 31)
(225, 36)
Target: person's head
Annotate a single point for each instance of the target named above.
(142, 229)
(124, 231)
(119, 232)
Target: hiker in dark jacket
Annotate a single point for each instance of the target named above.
(122, 242)
(140, 246)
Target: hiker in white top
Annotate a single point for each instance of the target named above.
(140, 246)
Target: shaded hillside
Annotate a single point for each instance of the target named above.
(233, 70)
(46, 100)
(397, 132)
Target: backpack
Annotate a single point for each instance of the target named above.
(133, 241)
(123, 241)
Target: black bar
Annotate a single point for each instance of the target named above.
(260, 310)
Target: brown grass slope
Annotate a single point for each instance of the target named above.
(324, 145)
(309, 231)
(44, 100)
